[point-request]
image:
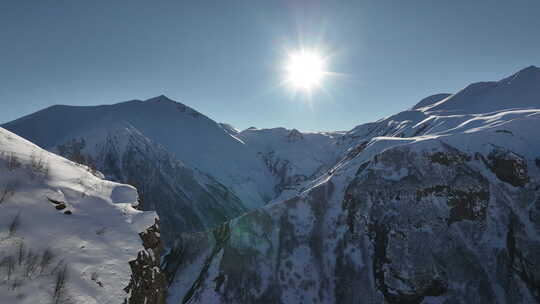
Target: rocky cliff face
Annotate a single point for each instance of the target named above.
(148, 284)
(444, 230)
(431, 222)
(422, 207)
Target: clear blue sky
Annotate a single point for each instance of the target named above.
(223, 57)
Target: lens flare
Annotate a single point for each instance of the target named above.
(305, 69)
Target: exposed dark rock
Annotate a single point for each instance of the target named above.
(55, 201)
(519, 262)
(58, 205)
(362, 167)
(449, 158)
(148, 284)
(294, 135)
(468, 205)
(382, 268)
(408, 225)
(174, 259)
(221, 236)
(504, 131)
(509, 167)
(464, 204)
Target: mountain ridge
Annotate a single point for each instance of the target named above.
(495, 95)
(421, 207)
(439, 203)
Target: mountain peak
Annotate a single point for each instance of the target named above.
(531, 72)
(518, 91)
(294, 135)
(531, 68)
(160, 98)
(164, 102)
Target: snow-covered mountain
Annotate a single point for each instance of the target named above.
(193, 138)
(67, 235)
(518, 91)
(194, 172)
(160, 146)
(436, 204)
(290, 155)
(439, 203)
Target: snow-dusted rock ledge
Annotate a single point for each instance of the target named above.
(66, 235)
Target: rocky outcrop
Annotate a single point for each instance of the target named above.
(424, 223)
(283, 169)
(148, 284)
(509, 167)
(294, 135)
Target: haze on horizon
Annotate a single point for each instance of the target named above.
(225, 59)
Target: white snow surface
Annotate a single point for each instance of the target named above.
(521, 90)
(96, 241)
(307, 152)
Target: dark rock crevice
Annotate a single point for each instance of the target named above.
(519, 264)
(382, 268)
(221, 236)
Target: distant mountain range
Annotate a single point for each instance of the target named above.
(439, 203)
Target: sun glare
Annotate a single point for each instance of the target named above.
(305, 70)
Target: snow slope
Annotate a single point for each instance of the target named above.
(473, 104)
(290, 155)
(521, 90)
(55, 214)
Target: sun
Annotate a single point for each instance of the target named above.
(305, 69)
